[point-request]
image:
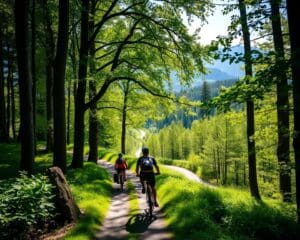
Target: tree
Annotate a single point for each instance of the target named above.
(3, 133)
(77, 161)
(126, 92)
(25, 85)
(283, 147)
(93, 121)
(50, 56)
(205, 96)
(59, 116)
(144, 28)
(10, 88)
(250, 105)
(33, 65)
(293, 20)
(6, 43)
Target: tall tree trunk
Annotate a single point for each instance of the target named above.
(77, 161)
(73, 53)
(25, 85)
(13, 112)
(250, 105)
(123, 134)
(244, 174)
(49, 104)
(8, 108)
(33, 47)
(283, 148)
(9, 86)
(226, 152)
(93, 126)
(124, 117)
(219, 165)
(293, 21)
(50, 48)
(93, 121)
(236, 170)
(69, 111)
(3, 133)
(59, 114)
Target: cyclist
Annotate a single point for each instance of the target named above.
(121, 166)
(144, 169)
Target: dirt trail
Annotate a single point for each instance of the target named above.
(188, 174)
(118, 224)
(114, 224)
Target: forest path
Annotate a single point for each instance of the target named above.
(189, 174)
(119, 223)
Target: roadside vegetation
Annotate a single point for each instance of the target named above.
(91, 187)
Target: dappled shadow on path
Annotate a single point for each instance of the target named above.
(139, 223)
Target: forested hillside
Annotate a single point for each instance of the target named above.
(205, 91)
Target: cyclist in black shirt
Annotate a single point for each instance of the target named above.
(144, 169)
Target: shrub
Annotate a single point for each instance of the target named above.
(24, 202)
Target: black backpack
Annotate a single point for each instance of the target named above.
(146, 163)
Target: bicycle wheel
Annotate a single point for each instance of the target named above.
(121, 181)
(149, 200)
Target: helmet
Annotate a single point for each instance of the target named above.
(145, 150)
(120, 154)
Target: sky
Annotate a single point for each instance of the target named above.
(217, 25)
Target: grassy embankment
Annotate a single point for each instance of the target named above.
(194, 211)
(90, 186)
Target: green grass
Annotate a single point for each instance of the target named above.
(9, 160)
(92, 189)
(222, 213)
(180, 163)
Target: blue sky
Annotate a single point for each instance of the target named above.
(217, 25)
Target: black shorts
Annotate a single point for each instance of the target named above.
(119, 170)
(148, 176)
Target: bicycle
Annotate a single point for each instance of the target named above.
(149, 199)
(121, 180)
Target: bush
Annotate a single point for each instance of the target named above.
(24, 202)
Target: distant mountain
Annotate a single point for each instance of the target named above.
(234, 69)
(214, 75)
(217, 71)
